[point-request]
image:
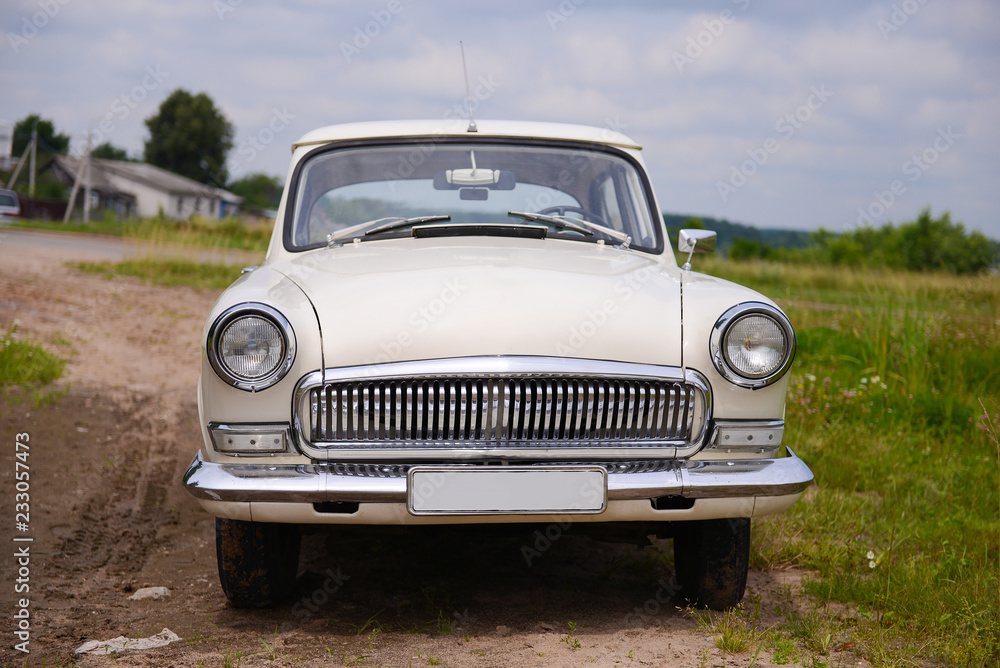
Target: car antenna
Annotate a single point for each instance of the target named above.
(468, 93)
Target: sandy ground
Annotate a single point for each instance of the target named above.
(109, 516)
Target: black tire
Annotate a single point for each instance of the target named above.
(258, 562)
(712, 558)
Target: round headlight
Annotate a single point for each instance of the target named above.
(251, 346)
(752, 345)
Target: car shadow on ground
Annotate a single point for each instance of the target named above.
(469, 580)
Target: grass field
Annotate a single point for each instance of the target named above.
(167, 271)
(226, 234)
(895, 405)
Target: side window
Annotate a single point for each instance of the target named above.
(607, 202)
(642, 225)
(618, 202)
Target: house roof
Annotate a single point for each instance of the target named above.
(139, 172)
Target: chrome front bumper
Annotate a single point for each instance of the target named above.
(317, 483)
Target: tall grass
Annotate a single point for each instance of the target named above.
(167, 271)
(887, 407)
(229, 233)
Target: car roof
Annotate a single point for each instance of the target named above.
(459, 127)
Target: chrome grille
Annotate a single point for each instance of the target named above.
(531, 411)
(400, 470)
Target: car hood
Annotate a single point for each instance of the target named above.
(414, 299)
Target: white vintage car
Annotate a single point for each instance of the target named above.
(458, 324)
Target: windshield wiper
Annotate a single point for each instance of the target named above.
(575, 225)
(378, 226)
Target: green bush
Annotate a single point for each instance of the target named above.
(925, 244)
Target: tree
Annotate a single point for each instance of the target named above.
(190, 137)
(49, 141)
(109, 151)
(258, 190)
(749, 249)
(925, 244)
(929, 244)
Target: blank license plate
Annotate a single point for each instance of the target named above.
(497, 490)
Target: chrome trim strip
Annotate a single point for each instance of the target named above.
(313, 483)
(746, 435)
(718, 336)
(486, 366)
(228, 432)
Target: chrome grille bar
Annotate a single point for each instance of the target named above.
(492, 411)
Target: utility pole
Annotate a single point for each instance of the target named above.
(83, 167)
(86, 191)
(29, 152)
(34, 154)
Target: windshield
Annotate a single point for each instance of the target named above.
(472, 186)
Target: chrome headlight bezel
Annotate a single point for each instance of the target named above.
(724, 325)
(230, 316)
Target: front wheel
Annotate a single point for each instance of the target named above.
(258, 562)
(712, 558)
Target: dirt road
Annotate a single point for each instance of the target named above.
(108, 516)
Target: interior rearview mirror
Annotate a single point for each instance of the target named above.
(456, 179)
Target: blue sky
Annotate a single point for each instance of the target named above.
(776, 114)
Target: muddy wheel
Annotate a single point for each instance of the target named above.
(712, 558)
(258, 562)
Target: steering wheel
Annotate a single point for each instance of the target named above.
(563, 209)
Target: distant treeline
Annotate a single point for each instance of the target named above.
(729, 233)
(925, 244)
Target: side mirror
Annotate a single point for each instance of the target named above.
(695, 241)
